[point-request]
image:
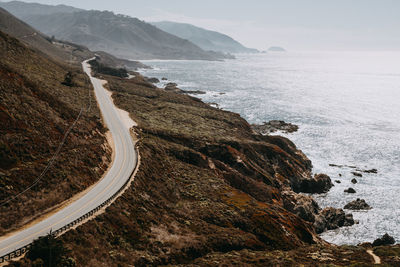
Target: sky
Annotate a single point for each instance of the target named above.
(292, 24)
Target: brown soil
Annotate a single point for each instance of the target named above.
(207, 190)
(36, 110)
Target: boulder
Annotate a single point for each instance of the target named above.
(193, 92)
(357, 174)
(338, 181)
(371, 171)
(385, 240)
(321, 183)
(273, 126)
(358, 204)
(172, 87)
(368, 171)
(354, 180)
(331, 218)
(302, 205)
(164, 79)
(153, 80)
(350, 190)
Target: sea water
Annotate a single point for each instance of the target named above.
(347, 105)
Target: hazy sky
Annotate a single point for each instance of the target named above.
(293, 24)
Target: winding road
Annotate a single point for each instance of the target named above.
(106, 190)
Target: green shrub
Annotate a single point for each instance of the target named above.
(103, 69)
(50, 251)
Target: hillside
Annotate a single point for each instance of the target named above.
(38, 104)
(119, 35)
(208, 191)
(20, 9)
(35, 39)
(207, 40)
(56, 49)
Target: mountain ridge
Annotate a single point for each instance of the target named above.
(206, 39)
(119, 35)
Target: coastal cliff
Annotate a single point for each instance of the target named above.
(207, 189)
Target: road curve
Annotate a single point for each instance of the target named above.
(107, 188)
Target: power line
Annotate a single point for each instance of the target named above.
(54, 157)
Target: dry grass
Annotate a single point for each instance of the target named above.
(35, 112)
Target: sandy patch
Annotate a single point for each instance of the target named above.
(123, 115)
(376, 258)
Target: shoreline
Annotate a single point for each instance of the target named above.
(220, 190)
(275, 132)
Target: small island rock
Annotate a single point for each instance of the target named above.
(358, 204)
(385, 240)
(350, 190)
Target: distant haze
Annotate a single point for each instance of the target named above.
(292, 24)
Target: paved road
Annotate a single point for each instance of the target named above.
(123, 166)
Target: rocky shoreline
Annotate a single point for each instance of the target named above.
(293, 197)
(211, 191)
(274, 126)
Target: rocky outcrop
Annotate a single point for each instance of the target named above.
(274, 126)
(173, 87)
(385, 240)
(331, 218)
(302, 205)
(375, 171)
(193, 92)
(153, 80)
(306, 208)
(350, 190)
(320, 183)
(358, 204)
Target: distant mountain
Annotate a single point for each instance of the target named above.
(206, 39)
(276, 49)
(37, 40)
(62, 51)
(22, 9)
(119, 35)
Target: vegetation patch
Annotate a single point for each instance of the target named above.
(103, 69)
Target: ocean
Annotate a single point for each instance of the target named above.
(347, 107)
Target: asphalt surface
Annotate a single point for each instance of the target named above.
(124, 163)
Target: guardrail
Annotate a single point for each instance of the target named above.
(20, 251)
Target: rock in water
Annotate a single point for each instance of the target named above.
(358, 204)
(385, 240)
(273, 126)
(357, 174)
(172, 87)
(321, 183)
(371, 171)
(331, 218)
(153, 80)
(350, 190)
(354, 180)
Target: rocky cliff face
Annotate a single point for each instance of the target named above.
(206, 184)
